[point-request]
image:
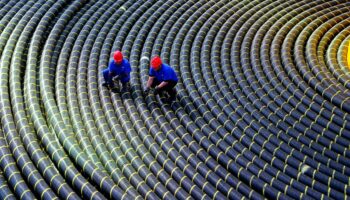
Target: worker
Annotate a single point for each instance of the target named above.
(118, 70)
(162, 78)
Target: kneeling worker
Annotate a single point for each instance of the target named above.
(162, 78)
(118, 69)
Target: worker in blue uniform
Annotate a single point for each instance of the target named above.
(118, 70)
(162, 78)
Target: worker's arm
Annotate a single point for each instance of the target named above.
(149, 84)
(150, 81)
(162, 84)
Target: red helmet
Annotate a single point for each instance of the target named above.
(156, 62)
(118, 56)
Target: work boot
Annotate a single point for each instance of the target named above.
(115, 90)
(172, 94)
(125, 87)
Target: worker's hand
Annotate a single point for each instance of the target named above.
(146, 90)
